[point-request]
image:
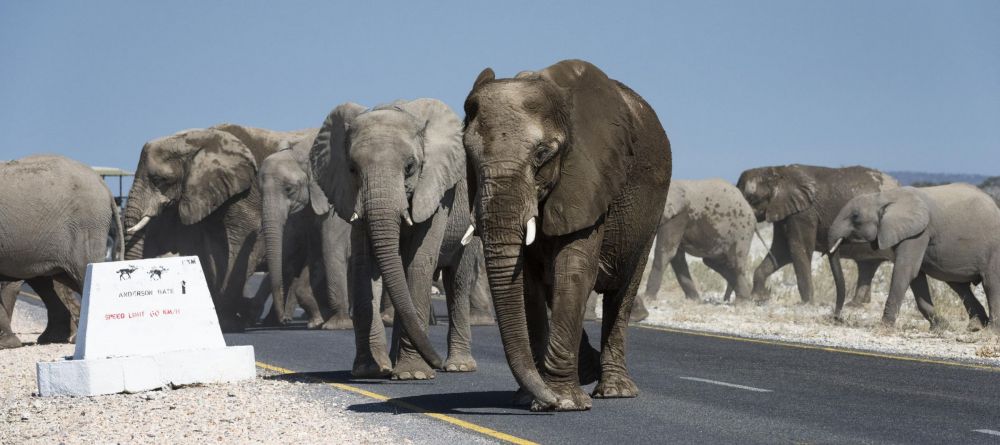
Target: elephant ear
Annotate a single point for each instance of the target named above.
(793, 192)
(904, 216)
(221, 168)
(677, 201)
(329, 164)
(444, 155)
(597, 154)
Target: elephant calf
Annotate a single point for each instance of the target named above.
(950, 232)
(55, 217)
(707, 219)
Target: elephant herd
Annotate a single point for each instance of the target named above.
(554, 185)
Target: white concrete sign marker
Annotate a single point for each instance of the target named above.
(146, 324)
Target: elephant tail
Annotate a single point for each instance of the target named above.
(761, 238)
(119, 253)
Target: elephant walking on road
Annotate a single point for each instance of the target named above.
(708, 219)
(55, 218)
(802, 201)
(196, 193)
(572, 170)
(949, 232)
(298, 259)
(397, 172)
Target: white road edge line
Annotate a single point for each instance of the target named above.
(990, 432)
(731, 385)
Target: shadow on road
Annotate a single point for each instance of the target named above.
(455, 403)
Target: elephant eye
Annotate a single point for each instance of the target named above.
(543, 152)
(411, 167)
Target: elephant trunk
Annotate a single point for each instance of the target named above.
(839, 232)
(384, 213)
(504, 236)
(274, 228)
(134, 212)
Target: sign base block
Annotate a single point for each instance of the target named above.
(91, 377)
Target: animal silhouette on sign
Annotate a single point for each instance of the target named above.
(126, 273)
(156, 273)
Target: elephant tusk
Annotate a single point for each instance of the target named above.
(836, 245)
(354, 216)
(406, 217)
(139, 225)
(467, 238)
(529, 232)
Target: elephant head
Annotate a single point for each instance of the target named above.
(552, 147)
(775, 193)
(388, 166)
(886, 218)
(287, 188)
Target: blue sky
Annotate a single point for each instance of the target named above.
(897, 85)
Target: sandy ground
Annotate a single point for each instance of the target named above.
(784, 317)
(266, 410)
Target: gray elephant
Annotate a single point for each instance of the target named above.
(572, 170)
(55, 218)
(949, 232)
(397, 172)
(801, 201)
(8, 297)
(707, 219)
(293, 236)
(195, 193)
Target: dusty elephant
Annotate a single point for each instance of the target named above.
(8, 297)
(707, 219)
(572, 171)
(801, 201)
(397, 172)
(950, 232)
(195, 193)
(298, 259)
(55, 218)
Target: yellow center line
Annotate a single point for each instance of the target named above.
(409, 407)
(820, 348)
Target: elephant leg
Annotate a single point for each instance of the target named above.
(60, 327)
(336, 244)
(615, 381)
(977, 314)
(925, 303)
(801, 243)
(8, 297)
(863, 290)
(371, 359)
(480, 306)
(680, 265)
(838, 281)
(574, 273)
(909, 255)
(776, 258)
(409, 364)
(303, 290)
(741, 272)
(387, 311)
(723, 269)
(991, 284)
(664, 250)
(457, 289)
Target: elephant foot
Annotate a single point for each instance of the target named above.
(615, 385)
(481, 318)
(412, 367)
(856, 303)
(314, 322)
(460, 363)
(569, 397)
(639, 312)
(975, 324)
(938, 324)
(366, 367)
(337, 323)
(232, 324)
(56, 335)
(9, 341)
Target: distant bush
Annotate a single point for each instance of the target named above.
(992, 187)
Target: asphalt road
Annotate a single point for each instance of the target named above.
(694, 389)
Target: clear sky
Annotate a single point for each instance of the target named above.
(897, 85)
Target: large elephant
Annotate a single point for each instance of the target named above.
(572, 171)
(949, 232)
(8, 297)
(55, 218)
(195, 193)
(708, 219)
(398, 172)
(293, 232)
(801, 201)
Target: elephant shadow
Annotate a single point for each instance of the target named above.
(456, 403)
